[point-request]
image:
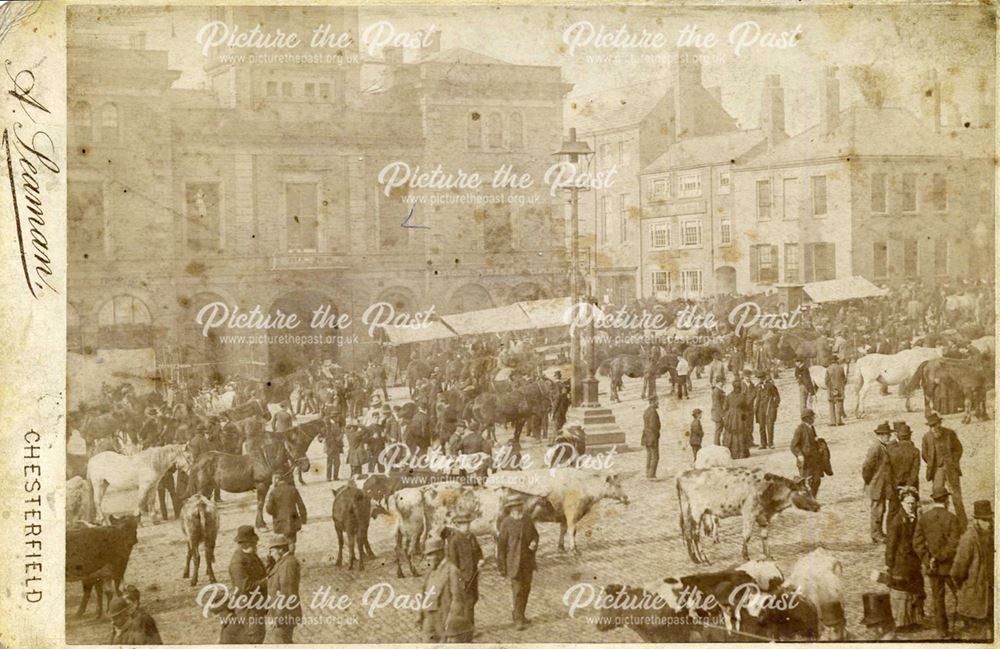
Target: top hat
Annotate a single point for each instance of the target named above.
(435, 544)
(807, 413)
(940, 493)
(982, 509)
(117, 607)
(883, 429)
(696, 412)
(933, 419)
(877, 608)
(278, 540)
(246, 534)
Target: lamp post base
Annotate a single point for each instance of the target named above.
(599, 427)
(590, 399)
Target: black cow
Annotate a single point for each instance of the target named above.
(98, 553)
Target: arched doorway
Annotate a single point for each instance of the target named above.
(469, 297)
(400, 298)
(725, 279)
(528, 291)
(291, 349)
(124, 322)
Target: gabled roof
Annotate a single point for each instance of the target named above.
(462, 55)
(703, 150)
(864, 130)
(616, 107)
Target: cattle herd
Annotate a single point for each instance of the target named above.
(191, 444)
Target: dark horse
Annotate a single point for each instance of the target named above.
(635, 367)
(971, 377)
(242, 473)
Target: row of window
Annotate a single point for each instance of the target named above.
(662, 281)
(661, 234)
(809, 262)
(684, 185)
(908, 193)
(881, 267)
(306, 91)
(791, 202)
(82, 116)
(499, 131)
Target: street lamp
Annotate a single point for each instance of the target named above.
(572, 149)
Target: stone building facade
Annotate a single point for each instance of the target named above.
(263, 189)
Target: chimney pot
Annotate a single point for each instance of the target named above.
(830, 100)
(772, 109)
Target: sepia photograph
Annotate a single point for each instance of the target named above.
(526, 324)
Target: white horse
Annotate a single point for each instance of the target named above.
(888, 369)
(210, 402)
(141, 471)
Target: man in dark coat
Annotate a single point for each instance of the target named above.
(417, 432)
(463, 550)
(836, 383)
(936, 541)
(284, 505)
(718, 409)
(904, 458)
(333, 445)
(245, 622)
(804, 380)
(283, 419)
(902, 563)
(972, 571)
(651, 437)
(942, 452)
(749, 391)
(285, 612)
(516, 547)
(130, 625)
(880, 486)
(805, 449)
(697, 433)
(768, 399)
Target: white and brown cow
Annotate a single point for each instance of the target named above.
(706, 495)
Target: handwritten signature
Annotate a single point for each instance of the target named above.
(33, 157)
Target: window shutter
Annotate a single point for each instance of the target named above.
(808, 262)
(754, 264)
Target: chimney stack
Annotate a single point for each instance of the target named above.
(686, 82)
(772, 109)
(930, 99)
(830, 101)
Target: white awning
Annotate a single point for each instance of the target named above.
(489, 321)
(554, 312)
(433, 330)
(846, 288)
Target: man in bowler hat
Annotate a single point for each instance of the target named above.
(942, 452)
(879, 483)
(972, 572)
(245, 622)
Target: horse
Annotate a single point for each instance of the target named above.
(242, 473)
(801, 346)
(973, 377)
(960, 305)
(635, 367)
(142, 470)
(887, 370)
(416, 370)
(698, 356)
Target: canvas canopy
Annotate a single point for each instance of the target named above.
(550, 313)
(488, 321)
(434, 330)
(846, 288)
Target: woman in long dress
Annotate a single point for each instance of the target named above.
(906, 583)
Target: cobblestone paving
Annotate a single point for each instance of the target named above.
(633, 544)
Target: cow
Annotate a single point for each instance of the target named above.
(722, 492)
(200, 525)
(97, 553)
(406, 507)
(818, 578)
(564, 496)
(442, 502)
(351, 513)
(79, 501)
